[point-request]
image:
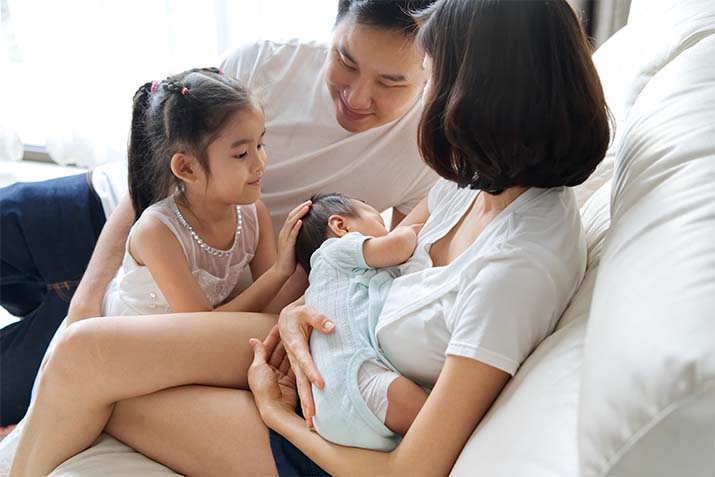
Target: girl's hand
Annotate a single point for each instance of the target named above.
(296, 323)
(269, 377)
(285, 264)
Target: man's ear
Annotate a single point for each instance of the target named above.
(337, 226)
(185, 167)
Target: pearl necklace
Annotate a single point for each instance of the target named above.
(204, 246)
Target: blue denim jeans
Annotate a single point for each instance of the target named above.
(47, 233)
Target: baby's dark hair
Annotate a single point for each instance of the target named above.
(183, 113)
(314, 230)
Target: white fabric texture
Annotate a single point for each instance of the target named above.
(374, 379)
(531, 429)
(649, 361)
(657, 32)
(133, 290)
(498, 299)
(308, 151)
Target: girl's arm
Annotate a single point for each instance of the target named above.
(266, 253)
(461, 397)
(263, 290)
(153, 245)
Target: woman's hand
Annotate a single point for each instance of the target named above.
(285, 264)
(269, 377)
(296, 323)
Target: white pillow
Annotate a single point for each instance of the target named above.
(649, 362)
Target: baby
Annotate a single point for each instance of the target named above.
(345, 247)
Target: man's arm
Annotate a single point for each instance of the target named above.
(106, 258)
(397, 217)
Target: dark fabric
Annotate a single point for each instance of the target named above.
(47, 233)
(290, 461)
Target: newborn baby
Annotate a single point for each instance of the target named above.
(345, 247)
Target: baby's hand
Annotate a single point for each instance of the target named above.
(285, 264)
(409, 234)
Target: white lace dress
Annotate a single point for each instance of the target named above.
(133, 291)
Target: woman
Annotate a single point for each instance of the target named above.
(516, 112)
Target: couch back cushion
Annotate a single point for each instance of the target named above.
(646, 402)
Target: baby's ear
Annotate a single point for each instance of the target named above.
(337, 226)
(185, 167)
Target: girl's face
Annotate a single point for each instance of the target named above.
(237, 158)
(374, 75)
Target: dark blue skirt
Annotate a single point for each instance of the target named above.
(290, 461)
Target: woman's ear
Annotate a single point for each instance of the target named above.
(337, 226)
(185, 167)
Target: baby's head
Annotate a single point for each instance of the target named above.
(334, 215)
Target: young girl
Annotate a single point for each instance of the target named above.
(196, 158)
(352, 261)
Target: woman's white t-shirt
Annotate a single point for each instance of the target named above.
(496, 301)
(308, 151)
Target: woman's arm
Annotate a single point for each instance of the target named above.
(461, 397)
(106, 258)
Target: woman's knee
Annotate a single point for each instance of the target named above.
(73, 361)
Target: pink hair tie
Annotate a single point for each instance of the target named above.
(184, 90)
(220, 71)
(154, 86)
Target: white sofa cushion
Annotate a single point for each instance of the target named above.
(649, 360)
(657, 32)
(531, 428)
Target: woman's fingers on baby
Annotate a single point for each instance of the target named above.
(273, 342)
(305, 393)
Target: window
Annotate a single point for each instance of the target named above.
(70, 68)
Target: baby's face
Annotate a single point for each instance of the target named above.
(368, 221)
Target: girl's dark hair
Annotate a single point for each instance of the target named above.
(314, 230)
(183, 113)
(388, 14)
(514, 99)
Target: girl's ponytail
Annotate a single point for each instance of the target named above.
(141, 186)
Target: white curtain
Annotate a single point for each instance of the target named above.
(70, 67)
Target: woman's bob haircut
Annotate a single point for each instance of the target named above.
(514, 98)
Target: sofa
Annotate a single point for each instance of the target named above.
(625, 385)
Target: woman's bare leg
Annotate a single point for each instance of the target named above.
(104, 360)
(197, 430)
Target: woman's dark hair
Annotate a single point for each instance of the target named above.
(514, 99)
(388, 14)
(314, 230)
(183, 113)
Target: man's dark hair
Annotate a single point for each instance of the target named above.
(388, 14)
(314, 230)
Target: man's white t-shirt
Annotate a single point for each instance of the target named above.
(308, 151)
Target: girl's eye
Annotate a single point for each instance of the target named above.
(242, 155)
